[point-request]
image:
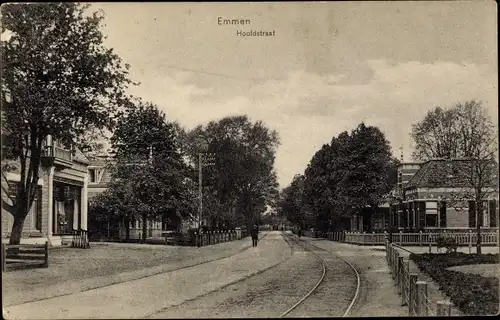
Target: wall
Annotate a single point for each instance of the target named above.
(457, 218)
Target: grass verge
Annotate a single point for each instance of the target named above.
(473, 294)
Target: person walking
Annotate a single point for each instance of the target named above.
(254, 232)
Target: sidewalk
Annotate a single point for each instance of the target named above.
(144, 297)
(75, 270)
(378, 295)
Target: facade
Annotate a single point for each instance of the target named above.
(371, 219)
(432, 195)
(60, 206)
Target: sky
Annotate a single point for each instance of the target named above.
(327, 68)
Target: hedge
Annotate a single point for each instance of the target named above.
(473, 294)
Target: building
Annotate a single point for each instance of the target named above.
(372, 219)
(435, 195)
(59, 210)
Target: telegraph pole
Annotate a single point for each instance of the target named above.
(200, 189)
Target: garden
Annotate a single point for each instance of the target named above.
(472, 294)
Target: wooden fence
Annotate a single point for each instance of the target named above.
(413, 239)
(24, 255)
(80, 239)
(215, 237)
(413, 292)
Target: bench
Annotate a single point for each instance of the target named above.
(24, 256)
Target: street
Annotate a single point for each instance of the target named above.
(263, 281)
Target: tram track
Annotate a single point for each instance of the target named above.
(332, 282)
(310, 282)
(250, 296)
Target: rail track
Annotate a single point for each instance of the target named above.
(323, 255)
(328, 277)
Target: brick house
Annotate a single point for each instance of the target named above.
(371, 219)
(60, 206)
(99, 179)
(433, 195)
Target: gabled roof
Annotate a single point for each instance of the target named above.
(436, 173)
(80, 157)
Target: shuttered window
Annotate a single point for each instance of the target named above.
(472, 214)
(421, 214)
(442, 215)
(493, 213)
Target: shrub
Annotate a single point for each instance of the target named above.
(449, 243)
(473, 294)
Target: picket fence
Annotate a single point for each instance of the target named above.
(413, 239)
(215, 237)
(413, 292)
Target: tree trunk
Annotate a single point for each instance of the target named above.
(479, 222)
(144, 228)
(20, 213)
(17, 230)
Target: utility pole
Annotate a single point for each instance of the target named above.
(200, 189)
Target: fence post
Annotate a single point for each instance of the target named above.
(4, 256)
(443, 308)
(396, 262)
(420, 238)
(470, 241)
(430, 247)
(400, 237)
(412, 294)
(400, 275)
(392, 260)
(46, 264)
(373, 238)
(389, 256)
(406, 282)
(422, 309)
(395, 265)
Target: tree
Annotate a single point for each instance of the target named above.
(292, 206)
(149, 166)
(452, 133)
(243, 179)
(346, 176)
(471, 140)
(59, 80)
(113, 205)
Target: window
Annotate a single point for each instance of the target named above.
(66, 208)
(36, 210)
(486, 219)
(431, 207)
(92, 175)
(431, 220)
(431, 214)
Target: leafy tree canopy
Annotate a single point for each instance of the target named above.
(57, 79)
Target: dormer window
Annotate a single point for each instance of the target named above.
(92, 175)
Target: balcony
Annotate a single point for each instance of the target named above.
(57, 155)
